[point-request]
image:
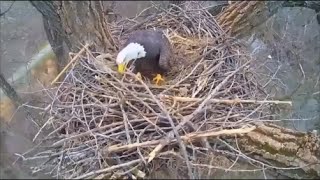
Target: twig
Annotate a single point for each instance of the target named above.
(199, 109)
(141, 23)
(225, 101)
(193, 136)
(125, 122)
(69, 64)
(188, 138)
(3, 13)
(108, 169)
(182, 146)
(45, 124)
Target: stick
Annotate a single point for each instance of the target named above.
(175, 132)
(188, 137)
(199, 109)
(69, 64)
(140, 24)
(204, 102)
(196, 135)
(108, 169)
(45, 124)
(125, 121)
(225, 101)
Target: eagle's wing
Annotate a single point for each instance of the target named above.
(166, 54)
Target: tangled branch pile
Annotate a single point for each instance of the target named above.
(105, 125)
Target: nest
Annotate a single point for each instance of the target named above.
(107, 125)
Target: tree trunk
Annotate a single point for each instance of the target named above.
(72, 22)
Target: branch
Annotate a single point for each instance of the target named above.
(187, 138)
(9, 91)
(108, 169)
(69, 64)
(3, 13)
(195, 112)
(224, 101)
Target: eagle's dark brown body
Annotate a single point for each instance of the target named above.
(158, 52)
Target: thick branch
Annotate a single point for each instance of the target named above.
(285, 148)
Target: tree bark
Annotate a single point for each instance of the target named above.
(74, 23)
(53, 28)
(285, 148)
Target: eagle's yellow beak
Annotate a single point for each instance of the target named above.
(122, 68)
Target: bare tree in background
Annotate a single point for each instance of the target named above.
(9, 90)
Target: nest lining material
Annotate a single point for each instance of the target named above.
(106, 124)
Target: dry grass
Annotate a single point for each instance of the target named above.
(104, 124)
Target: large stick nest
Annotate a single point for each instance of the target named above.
(105, 124)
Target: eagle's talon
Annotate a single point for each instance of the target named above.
(158, 79)
(138, 76)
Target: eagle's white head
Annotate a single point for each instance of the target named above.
(131, 52)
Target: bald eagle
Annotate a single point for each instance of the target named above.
(149, 51)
